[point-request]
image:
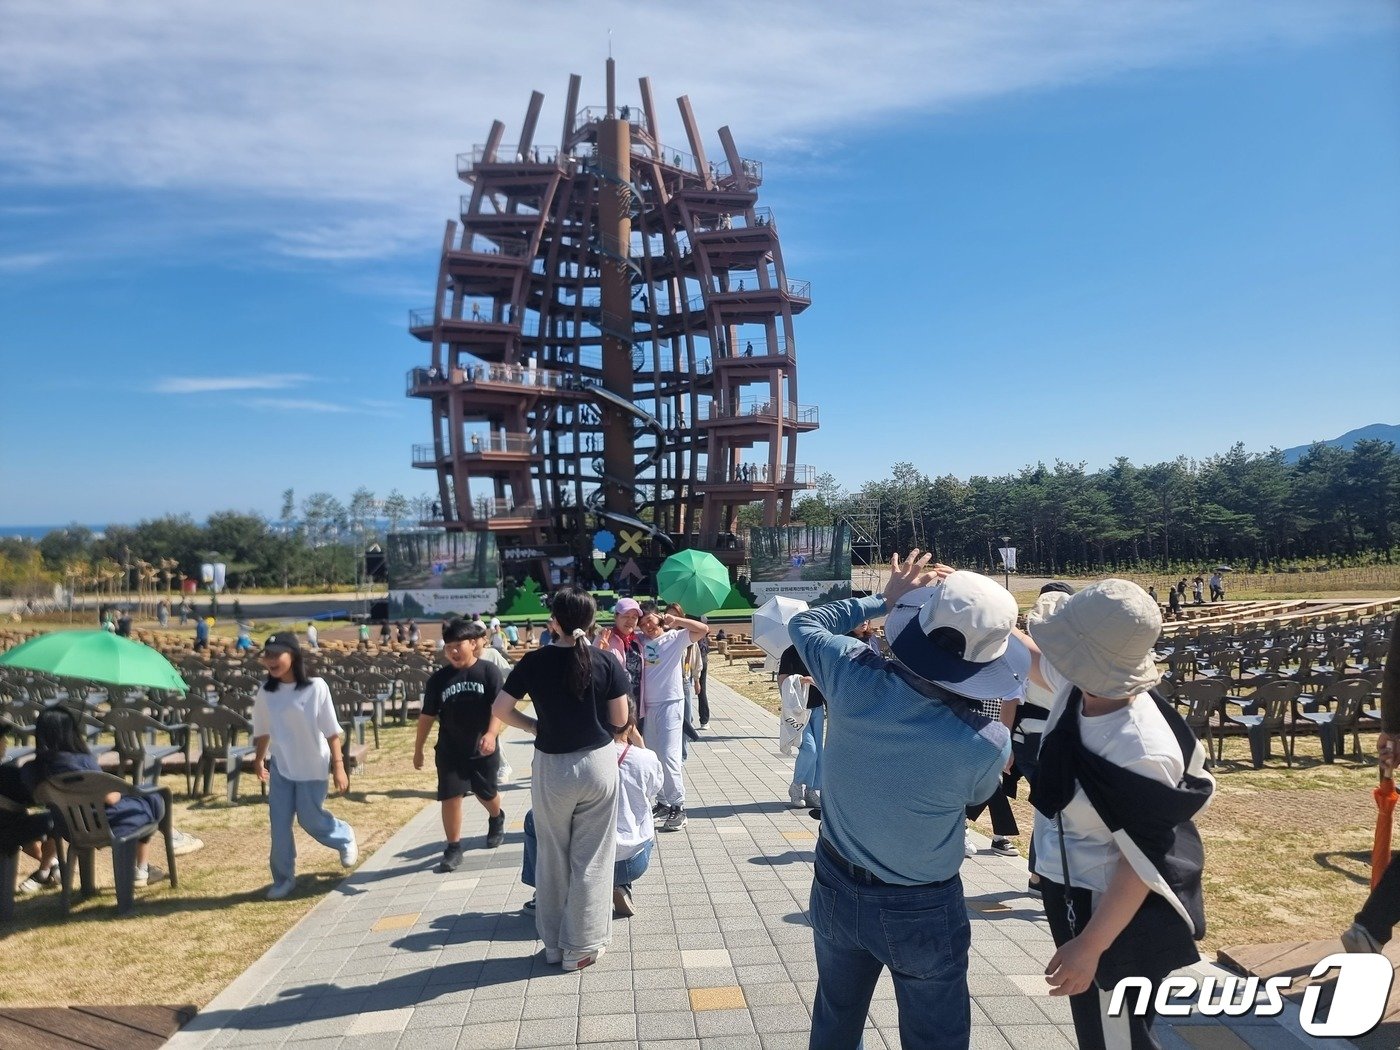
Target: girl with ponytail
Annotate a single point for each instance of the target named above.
(580, 700)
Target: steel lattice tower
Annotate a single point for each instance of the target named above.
(612, 338)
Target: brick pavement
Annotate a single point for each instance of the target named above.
(718, 957)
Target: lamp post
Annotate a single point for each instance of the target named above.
(1005, 560)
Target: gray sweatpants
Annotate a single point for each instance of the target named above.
(575, 802)
(664, 737)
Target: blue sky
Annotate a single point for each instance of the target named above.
(1035, 231)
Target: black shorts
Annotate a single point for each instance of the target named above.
(475, 776)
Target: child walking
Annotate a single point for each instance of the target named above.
(294, 719)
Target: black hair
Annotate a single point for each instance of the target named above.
(460, 630)
(574, 610)
(647, 607)
(57, 730)
(298, 673)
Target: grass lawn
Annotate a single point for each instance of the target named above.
(1288, 851)
(184, 945)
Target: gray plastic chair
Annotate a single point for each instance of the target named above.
(81, 802)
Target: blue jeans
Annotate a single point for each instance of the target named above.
(808, 767)
(625, 872)
(920, 932)
(306, 800)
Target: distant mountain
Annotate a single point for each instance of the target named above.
(1374, 432)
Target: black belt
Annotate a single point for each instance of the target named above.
(860, 874)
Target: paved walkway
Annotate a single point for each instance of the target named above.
(718, 957)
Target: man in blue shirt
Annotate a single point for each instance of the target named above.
(906, 753)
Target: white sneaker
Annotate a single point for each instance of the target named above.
(281, 890)
(969, 846)
(1357, 940)
(812, 799)
(182, 844)
(795, 795)
(350, 853)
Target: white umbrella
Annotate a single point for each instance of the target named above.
(770, 622)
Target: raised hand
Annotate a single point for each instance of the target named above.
(909, 575)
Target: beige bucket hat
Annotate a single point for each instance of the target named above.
(1101, 639)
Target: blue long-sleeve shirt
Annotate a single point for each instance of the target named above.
(899, 765)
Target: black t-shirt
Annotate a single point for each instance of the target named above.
(461, 702)
(791, 663)
(568, 723)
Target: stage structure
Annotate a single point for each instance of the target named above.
(612, 341)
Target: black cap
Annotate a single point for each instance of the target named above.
(1057, 585)
(282, 642)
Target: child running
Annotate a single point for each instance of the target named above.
(294, 720)
(461, 695)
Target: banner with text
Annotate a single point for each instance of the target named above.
(808, 562)
(435, 573)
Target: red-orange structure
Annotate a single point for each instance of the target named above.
(612, 338)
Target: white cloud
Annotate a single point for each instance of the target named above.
(357, 109)
(306, 404)
(23, 262)
(221, 384)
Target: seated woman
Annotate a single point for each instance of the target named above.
(638, 781)
(21, 829)
(60, 748)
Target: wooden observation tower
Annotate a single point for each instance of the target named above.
(612, 339)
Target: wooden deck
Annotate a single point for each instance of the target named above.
(1296, 959)
(91, 1027)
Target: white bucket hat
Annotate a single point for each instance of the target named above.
(1101, 639)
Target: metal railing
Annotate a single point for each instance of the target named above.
(763, 218)
(754, 348)
(592, 114)
(483, 245)
(515, 375)
(760, 474)
(504, 508)
(427, 455)
(507, 154)
(760, 407)
(477, 445)
(423, 318)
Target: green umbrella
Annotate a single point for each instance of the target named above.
(693, 579)
(99, 656)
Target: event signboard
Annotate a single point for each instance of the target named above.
(434, 574)
(809, 562)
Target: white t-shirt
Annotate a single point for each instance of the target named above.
(638, 782)
(1136, 738)
(662, 657)
(298, 721)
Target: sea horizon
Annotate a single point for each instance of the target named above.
(38, 532)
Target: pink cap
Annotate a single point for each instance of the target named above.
(626, 605)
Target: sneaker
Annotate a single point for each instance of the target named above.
(675, 819)
(622, 902)
(281, 890)
(1357, 940)
(796, 793)
(41, 878)
(181, 844)
(969, 846)
(496, 830)
(580, 960)
(660, 811)
(1033, 890)
(451, 858)
(147, 875)
(530, 906)
(553, 955)
(1004, 847)
(812, 799)
(704, 725)
(350, 852)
